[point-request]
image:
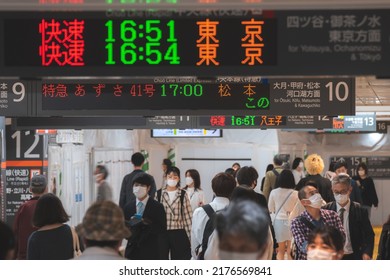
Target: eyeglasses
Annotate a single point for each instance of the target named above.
(342, 192)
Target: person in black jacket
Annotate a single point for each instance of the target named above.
(314, 165)
(384, 242)
(367, 186)
(126, 194)
(146, 218)
(359, 244)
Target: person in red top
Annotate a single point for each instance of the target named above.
(23, 221)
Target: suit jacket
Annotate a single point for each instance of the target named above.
(145, 242)
(360, 229)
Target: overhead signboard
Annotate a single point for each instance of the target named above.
(378, 166)
(192, 96)
(195, 43)
(14, 97)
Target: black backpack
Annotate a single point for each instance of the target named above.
(208, 230)
(276, 180)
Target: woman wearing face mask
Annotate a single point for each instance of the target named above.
(179, 217)
(298, 169)
(367, 186)
(193, 189)
(325, 243)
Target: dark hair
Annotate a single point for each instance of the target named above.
(48, 211)
(38, 189)
(301, 192)
(243, 192)
(362, 165)
(175, 170)
(278, 160)
(230, 171)
(105, 243)
(236, 163)
(167, 162)
(245, 219)
(137, 159)
(296, 162)
(102, 170)
(195, 176)
(7, 240)
(331, 166)
(143, 179)
(286, 180)
(269, 167)
(339, 164)
(223, 184)
(247, 175)
(329, 235)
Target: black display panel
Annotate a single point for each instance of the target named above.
(195, 43)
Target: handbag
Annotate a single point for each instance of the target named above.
(76, 243)
(273, 216)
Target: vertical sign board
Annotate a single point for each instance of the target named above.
(13, 97)
(24, 156)
(2, 170)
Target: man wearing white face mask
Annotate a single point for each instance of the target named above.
(311, 218)
(359, 233)
(147, 220)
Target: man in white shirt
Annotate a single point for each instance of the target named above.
(222, 185)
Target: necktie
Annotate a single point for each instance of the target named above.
(341, 214)
(140, 208)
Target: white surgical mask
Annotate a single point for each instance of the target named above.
(226, 255)
(189, 181)
(139, 192)
(172, 183)
(361, 172)
(341, 198)
(318, 254)
(316, 201)
(300, 164)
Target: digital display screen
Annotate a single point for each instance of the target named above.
(83, 39)
(186, 133)
(158, 96)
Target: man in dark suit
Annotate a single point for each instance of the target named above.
(126, 194)
(147, 221)
(359, 243)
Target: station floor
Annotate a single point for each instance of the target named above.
(377, 231)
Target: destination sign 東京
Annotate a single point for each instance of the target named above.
(204, 43)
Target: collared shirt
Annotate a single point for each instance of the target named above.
(200, 219)
(144, 202)
(348, 245)
(176, 218)
(301, 232)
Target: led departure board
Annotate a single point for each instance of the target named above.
(135, 43)
(205, 43)
(150, 97)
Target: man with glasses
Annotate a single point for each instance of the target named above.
(311, 218)
(359, 244)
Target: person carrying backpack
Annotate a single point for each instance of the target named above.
(272, 176)
(223, 185)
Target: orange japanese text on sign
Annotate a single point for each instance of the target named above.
(253, 42)
(208, 43)
(249, 90)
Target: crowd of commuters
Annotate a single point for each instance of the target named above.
(295, 216)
